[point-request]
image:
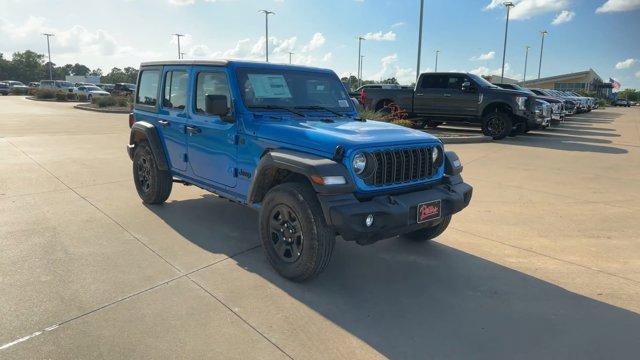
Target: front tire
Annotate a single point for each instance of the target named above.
(153, 185)
(294, 235)
(429, 233)
(433, 124)
(497, 124)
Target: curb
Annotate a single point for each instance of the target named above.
(33, 98)
(108, 111)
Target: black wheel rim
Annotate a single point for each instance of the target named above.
(286, 233)
(495, 125)
(143, 168)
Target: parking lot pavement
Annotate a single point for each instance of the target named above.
(543, 264)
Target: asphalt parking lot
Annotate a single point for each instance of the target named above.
(545, 263)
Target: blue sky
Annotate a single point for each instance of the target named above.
(599, 34)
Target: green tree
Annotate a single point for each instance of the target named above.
(79, 70)
(26, 66)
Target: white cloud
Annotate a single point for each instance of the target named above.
(286, 45)
(527, 9)
(398, 24)
(638, 74)
(316, 41)
(485, 71)
(564, 17)
(488, 56)
(327, 57)
(379, 36)
(625, 64)
(181, 2)
(618, 5)
(389, 69)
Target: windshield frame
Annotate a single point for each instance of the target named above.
(241, 75)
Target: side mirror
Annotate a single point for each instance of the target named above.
(466, 86)
(216, 105)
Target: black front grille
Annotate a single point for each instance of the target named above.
(399, 166)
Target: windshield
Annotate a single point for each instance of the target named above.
(93, 88)
(482, 81)
(64, 84)
(130, 86)
(518, 87)
(276, 89)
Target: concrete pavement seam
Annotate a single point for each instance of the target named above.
(124, 298)
(239, 317)
(548, 256)
(97, 208)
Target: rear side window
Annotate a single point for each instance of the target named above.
(175, 90)
(148, 88)
(435, 82)
(211, 83)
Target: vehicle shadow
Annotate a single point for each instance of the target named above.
(427, 300)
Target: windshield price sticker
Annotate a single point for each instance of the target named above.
(343, 103)
(269, 86)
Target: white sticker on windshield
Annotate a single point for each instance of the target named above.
(343, 103)
(269, 86)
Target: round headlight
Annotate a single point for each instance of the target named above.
(434, 154)
(359, 163)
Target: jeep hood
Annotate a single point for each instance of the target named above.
(324, 136)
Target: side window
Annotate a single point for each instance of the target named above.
(210, 83)
(455, 82)
(434, 82)
(148, 88)
(175, 89)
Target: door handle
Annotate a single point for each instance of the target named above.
(447, 95)
(164, 123)
(419, 94)
(192, 130)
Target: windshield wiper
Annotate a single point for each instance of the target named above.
(316, 107)
(274, 107)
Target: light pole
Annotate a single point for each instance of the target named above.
(290, 53)
(181, 55)
(360, 38)
(266, 32)
(437, 53)
(508, 5)
(361, 63)
(419, 40)
(526, 58)
(179, 50)
(544, 33)
(49, 50)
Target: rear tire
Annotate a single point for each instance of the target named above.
(153, 185)
(383, 107)
(294, 235)
(429, 233)
(497, 124)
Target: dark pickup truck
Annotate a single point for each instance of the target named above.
(459, 97)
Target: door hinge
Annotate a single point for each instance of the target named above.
(185, 157)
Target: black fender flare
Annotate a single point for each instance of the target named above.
(142, 130)
(304, 164)
(495, 103)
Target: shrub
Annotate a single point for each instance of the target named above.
(72, 96)
(82, 97)
(32, 91)
(374, 115)
(60, 96)
(105, 101)
(45, 94)
(122, 101)
(403, 122)
(16, 92)
(602, 103)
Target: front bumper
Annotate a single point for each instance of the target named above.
(393, 214)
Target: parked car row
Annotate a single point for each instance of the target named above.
(13, 87)
(501, 110)
(84, 88)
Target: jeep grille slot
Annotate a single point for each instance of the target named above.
(397, 166)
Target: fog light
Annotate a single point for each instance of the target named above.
(369, 220)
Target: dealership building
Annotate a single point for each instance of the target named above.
(587, 80)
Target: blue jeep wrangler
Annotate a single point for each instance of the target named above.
(287, 141)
